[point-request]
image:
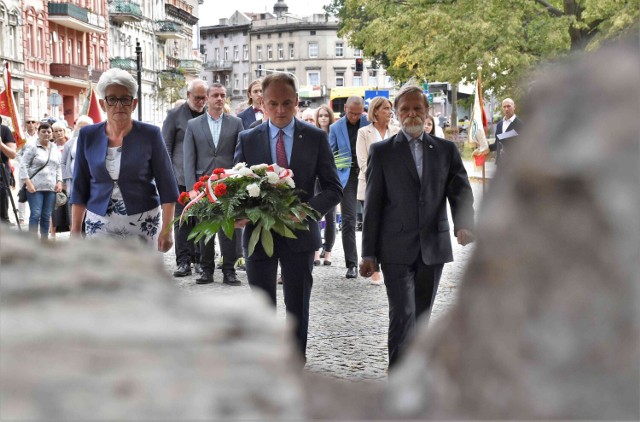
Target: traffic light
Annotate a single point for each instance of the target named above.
(359, 65)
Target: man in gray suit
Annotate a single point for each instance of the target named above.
(209, 143)
(173, 131)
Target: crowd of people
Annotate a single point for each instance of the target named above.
(123, 178)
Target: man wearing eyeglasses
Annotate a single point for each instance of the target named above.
(173, 130)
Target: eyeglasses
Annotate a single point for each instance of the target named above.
(31, 121)
(196, 98)
(112, 100)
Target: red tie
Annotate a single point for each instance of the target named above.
(281, 154)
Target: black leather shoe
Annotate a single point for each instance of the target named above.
(352, 273)
(182, 271)
(230, 279)
(205, 279)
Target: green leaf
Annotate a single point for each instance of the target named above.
(266, 238)
(253, 240)
(228, 228)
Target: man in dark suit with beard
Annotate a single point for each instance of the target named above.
(508, 123)
(305, 150)
(410, 177)
(173, 130)
(209, 143)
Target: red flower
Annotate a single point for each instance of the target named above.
(184, 198)
(220, 189)
(198, 186)
(204, 178)
(218, 171)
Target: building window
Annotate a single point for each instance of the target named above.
(236, 53)
(292, 51)
(339, 78)
(259, 52)
(245, 52)
(39, 40)
(357, 52)
(373, 80)
(313, 78)
(245, 80)
(313, 49)
(12, 41)
(79, 53)
(280, 52)
(237, 82)
(69, 51)
(312, 32)
(339, 49)
(269, 52)
(226, 53)
(216, 54)
(216, 78)
(357, 81)
(227, 80)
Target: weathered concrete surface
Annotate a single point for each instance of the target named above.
(547, 321)
(99, 331)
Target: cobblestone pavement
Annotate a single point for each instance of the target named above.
(348, 317)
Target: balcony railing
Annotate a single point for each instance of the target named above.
(125, 11)
(180, 10)
(169, 29)
(219, 65)
(75, 17)
(69, 70)
(172, 62)
(124, 63)
(193, 67)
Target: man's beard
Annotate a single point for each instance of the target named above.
(413, 126)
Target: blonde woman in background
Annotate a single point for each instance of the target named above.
(379, 129)
(323, 119)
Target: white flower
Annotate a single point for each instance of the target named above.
(258, 167)
(254, 190)
(289, 181)
(239, 166)
(244, 171)
(272, 177)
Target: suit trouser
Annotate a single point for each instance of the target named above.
(227, 248)
(411, 290)
(348, 208)
(297, 270)
(187, 251)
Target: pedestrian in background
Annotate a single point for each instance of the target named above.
(7, 152)
(342, 137)
(324, 119)
(254, 110)
(508, 123)
(379, 130)
(122, 177)
(174, 128)
(410, 177)
(42, 173)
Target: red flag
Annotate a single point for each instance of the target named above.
(94, 108)
(8, 108)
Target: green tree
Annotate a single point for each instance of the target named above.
(446, 39)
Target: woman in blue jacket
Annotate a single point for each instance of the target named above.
(123, 180)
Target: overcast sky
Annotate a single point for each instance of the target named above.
(213, 10)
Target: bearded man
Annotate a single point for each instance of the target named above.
(410, 176)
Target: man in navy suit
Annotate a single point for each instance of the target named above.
(410, 177)
(509, 122)
(342, 137)
(173, 130)
(304, 149)
(254, 99)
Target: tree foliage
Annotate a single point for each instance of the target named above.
(445, 40)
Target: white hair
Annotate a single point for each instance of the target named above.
(117, 76)
(84, 119)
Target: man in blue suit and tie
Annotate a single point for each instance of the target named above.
(342, 137)
(304, 149)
